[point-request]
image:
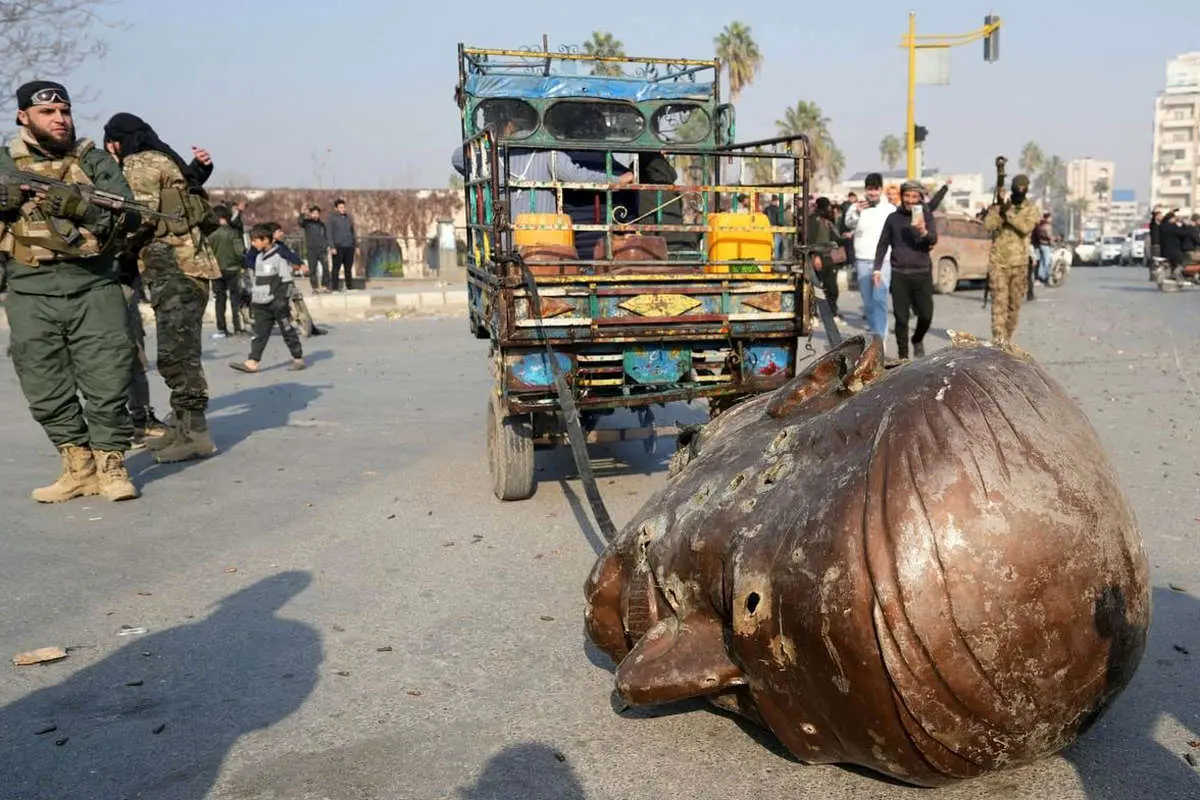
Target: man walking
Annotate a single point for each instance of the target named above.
(910, 235)
(316, 248)
(866, 218)
(1043, 240)
(229, 251)
(176, 263)
(1011, 224)
(342, 240)
(66, 311)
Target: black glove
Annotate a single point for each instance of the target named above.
(11, 196)
(66, 202)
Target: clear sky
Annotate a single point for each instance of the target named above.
(272, 87)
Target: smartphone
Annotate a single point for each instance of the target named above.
(918, 213)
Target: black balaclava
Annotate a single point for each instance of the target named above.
(133, 135)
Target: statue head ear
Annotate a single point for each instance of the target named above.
(843, 371)
(678, 659)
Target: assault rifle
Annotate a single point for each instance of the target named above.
(40, 184)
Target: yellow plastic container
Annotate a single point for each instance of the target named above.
(739, 237)
(553, 230)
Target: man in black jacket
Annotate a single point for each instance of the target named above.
(343, 239)
(910, 233)
(316, 248)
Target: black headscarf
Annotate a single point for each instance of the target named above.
(134, 135)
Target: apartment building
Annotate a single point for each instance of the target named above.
(1092, 179)
(1175, 166)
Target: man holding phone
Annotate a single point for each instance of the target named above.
(910, 234)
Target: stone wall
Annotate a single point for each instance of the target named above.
(408, 216)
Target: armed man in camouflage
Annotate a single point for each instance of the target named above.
(1010, 223)
(66, 312)
(176, 263)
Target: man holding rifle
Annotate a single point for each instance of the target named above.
(1010, 222)
(64, 208)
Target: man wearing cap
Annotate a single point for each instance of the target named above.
(66, 311)
(1010, 223)
(176, 263)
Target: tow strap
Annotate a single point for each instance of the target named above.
(566, 400)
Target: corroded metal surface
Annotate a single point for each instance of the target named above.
(932, 573)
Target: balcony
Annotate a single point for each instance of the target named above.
(1171, 123)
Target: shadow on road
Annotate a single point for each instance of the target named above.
(1120, 759)
(157, 718)
(254, 409)
(530, 771)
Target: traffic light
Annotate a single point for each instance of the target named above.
(919, 133)
(991, 42)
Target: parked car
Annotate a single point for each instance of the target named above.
(1087, 253)
(1110, 249)
(961, 253)
(1133, 252)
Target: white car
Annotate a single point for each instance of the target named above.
(1087, 253)
(1133, 252)
(1110, 249)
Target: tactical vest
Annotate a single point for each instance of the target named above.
(192, 209)
(37, 238)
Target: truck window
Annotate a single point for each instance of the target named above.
(680, 123)
(590, 121)
(511, 119)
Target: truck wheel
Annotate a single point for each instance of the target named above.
(510, 452)
(947, 276)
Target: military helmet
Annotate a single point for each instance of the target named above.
(1020, 183)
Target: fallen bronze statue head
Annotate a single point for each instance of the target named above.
(932, 572)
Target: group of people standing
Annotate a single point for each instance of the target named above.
(889, 243)
(1174, 237)
(76, 270)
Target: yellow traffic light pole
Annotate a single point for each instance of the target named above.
(912, 42)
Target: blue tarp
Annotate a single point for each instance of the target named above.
(533, 87)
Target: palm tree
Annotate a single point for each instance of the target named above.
(739, 52)
(807, 118)
(835, 164)
(1031, 159)
(605, 45)
(890, 151)
(1051, 182)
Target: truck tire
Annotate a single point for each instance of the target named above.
(510, 452)
(946, 279)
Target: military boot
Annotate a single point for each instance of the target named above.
(146, 426)
(166, 437)
(78, 478)
(191, 440)
(113, 477)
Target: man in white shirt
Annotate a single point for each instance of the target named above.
(866, 219)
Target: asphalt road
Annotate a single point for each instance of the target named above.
(336, 607)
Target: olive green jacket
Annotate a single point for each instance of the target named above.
(75, 275)
(228, 248)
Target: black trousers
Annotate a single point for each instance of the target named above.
(267, 317)
(315, 262)
(342, 257)
(911, 291)
(228, 288)
(828, 274)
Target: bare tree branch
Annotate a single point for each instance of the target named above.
(48, 40)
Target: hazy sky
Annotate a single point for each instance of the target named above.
(267, 85)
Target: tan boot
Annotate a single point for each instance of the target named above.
(164, 439)
(114, 480)
(192, 440)
(78, 478)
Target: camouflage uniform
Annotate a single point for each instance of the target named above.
(1008, 261)
(176, 270)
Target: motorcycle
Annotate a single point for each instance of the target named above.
(1175, 279)
(1060, 263)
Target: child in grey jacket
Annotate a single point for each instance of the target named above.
(269, 301)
